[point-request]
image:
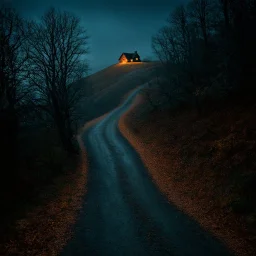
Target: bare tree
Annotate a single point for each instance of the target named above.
(178, 19)
(13, 66)
(201, 14)
(13, 58)
(166, 47)
(208, 49)
(226, 11)
(57, 47)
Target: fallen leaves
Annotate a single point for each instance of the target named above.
(47, 228)
(182, 155)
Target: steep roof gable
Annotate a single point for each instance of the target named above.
(130, 55)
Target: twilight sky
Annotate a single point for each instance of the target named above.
(113, 26)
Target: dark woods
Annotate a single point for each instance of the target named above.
(208, 51)
(39, 61)
(56, 46)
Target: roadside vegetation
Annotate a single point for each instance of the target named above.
(39, 62)
(198, 117)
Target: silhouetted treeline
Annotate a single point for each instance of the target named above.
(208, 50)
(39, 61)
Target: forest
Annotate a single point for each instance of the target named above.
(40, 60)
(208, 51)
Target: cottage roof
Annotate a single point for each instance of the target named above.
(130, 55)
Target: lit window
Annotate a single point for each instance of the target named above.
(131, 60)
(136, 58)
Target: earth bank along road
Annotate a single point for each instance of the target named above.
(124, 213)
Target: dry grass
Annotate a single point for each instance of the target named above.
(196, 162)
(110, 75)
(47, 228)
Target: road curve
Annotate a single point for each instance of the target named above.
(123, 212)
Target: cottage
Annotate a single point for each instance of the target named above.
(129, 57)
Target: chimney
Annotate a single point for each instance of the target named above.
(136, 52)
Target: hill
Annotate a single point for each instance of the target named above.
(105, 89)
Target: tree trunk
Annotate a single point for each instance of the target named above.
(225, 12)
(65, 137)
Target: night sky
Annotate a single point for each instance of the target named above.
(113, 26)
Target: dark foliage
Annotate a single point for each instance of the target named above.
(39, 63)
(208, 51)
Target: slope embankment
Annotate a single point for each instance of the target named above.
(199, 163)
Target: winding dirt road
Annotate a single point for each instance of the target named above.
(124, 213)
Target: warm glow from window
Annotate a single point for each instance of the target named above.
(136, 58)
(131, 60)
